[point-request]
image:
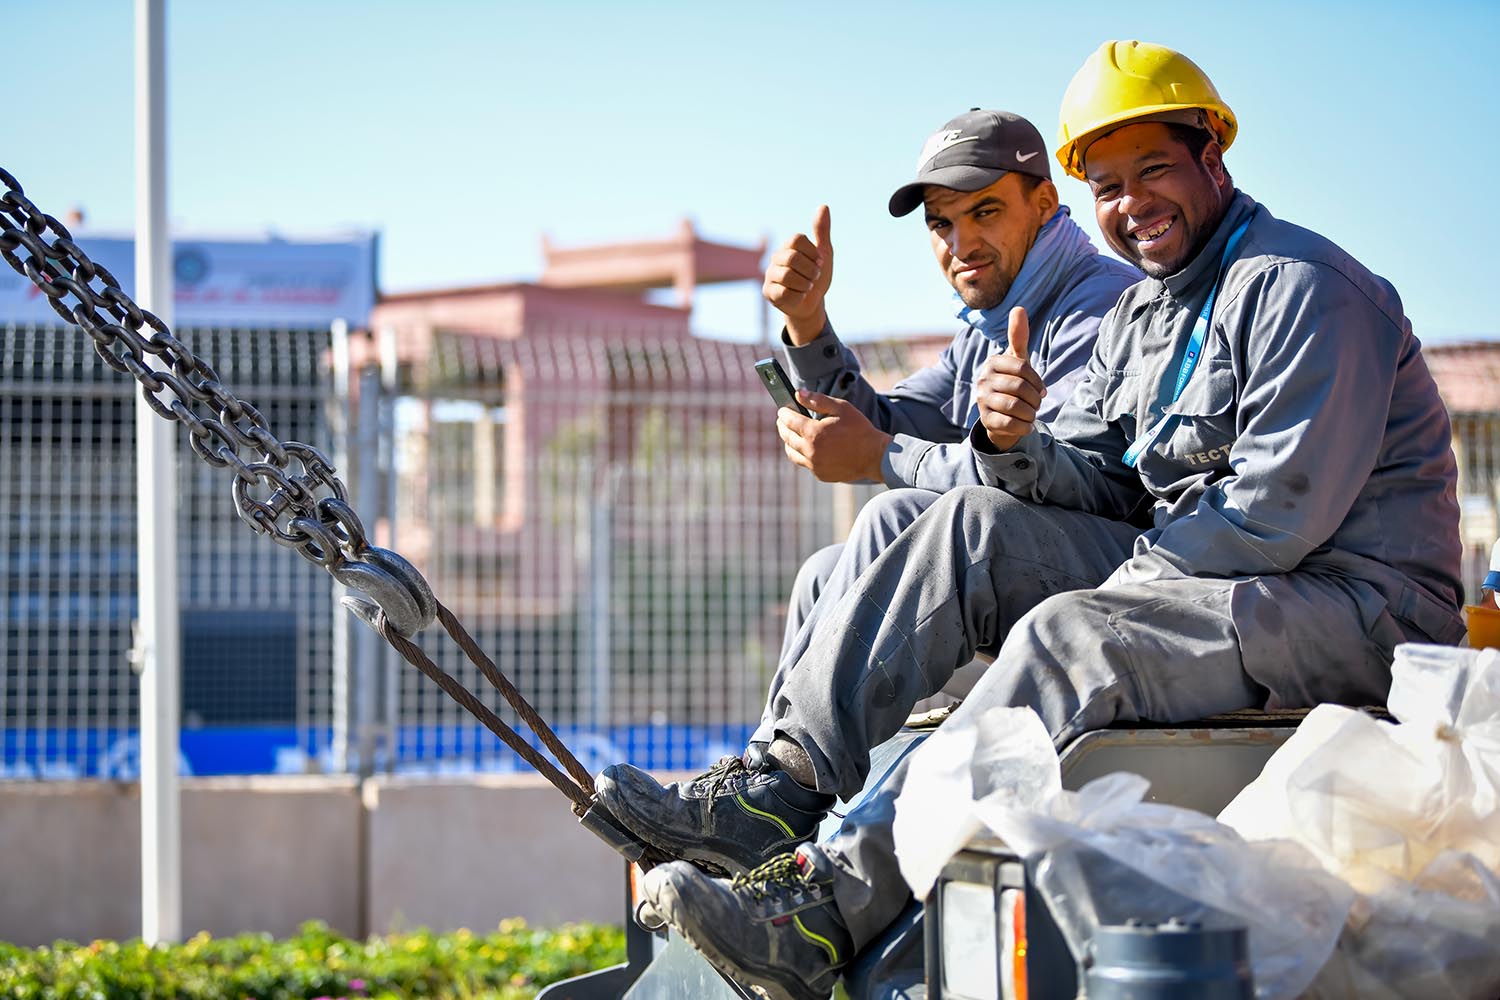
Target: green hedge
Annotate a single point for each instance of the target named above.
(509, 964)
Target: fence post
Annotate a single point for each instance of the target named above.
(355, 423)
(386, 344)
(341, 737)
(366, 496)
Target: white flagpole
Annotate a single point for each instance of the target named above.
(158, 641)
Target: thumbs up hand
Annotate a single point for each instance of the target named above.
(1008, 389)
(798, 278)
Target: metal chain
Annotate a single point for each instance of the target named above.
(283, 489)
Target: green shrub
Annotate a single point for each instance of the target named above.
(512, 963)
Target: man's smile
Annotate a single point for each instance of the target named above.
(1149, 235)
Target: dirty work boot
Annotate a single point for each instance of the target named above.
(775, 928)
(727, 820)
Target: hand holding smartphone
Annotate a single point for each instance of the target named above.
(778, 385)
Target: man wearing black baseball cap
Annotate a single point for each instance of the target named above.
(973, 151)
(983, 181)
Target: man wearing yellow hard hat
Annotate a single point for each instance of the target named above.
(1249, 501)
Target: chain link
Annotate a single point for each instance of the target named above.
(284, 489)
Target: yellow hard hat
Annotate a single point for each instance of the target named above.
(1125, 81)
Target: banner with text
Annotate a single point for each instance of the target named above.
(266, 282)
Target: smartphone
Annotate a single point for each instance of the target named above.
(778, 385)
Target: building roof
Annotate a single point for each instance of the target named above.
(682, 261)
(1467, 374)
(605, 299)
(514, 309)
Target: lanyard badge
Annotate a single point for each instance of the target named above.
(1189, 360)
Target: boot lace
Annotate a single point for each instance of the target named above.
(774, 878)
(720, 774)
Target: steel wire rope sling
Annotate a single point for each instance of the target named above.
(305, 510)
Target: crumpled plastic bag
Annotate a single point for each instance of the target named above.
(1409, 815)
(1433, 938)
(1004, 752)
(1107, 855)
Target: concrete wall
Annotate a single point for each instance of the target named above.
(470, 853)
(69, 861)
(267, 853)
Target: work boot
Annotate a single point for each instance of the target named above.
(727, 820)
(775, 928)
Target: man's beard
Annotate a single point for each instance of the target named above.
(984, 298)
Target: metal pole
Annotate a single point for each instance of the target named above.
(390, 370)
(367, 645)
(159, 636)
(355, 422)
(344, 727)
(354, 429)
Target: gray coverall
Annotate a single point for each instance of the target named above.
(1066, 287)
(1303, 523)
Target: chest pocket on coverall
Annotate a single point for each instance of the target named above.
(1206, 419)
(1122, 396)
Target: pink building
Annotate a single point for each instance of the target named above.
(517, 398)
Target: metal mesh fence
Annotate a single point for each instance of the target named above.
(256, 622)
(608, 510)
(612, 517)
(66, 554)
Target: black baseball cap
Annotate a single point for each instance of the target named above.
(972, 151)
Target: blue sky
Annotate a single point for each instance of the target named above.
(464, 130)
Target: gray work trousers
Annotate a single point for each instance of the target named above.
(982, 570)
(832, 570)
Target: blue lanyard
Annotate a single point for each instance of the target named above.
(1189, 360)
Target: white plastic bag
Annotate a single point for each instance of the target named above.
(1377, 801)
(1003, 751)
(1436, 937)
(1409, 815)
(1107, 855)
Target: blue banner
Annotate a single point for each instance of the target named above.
(219, 282)
(61, 754)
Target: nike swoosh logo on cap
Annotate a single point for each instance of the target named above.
(942, 141)
(1023, 159)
